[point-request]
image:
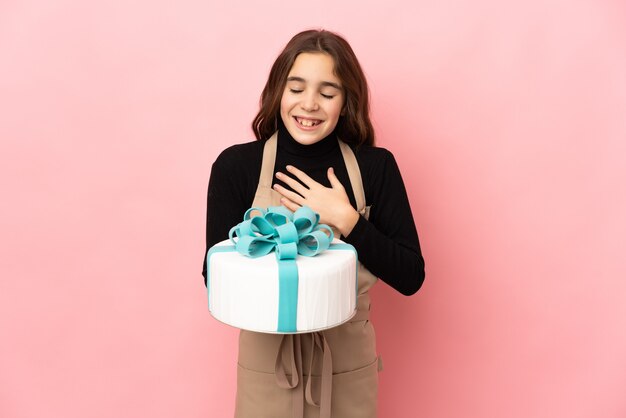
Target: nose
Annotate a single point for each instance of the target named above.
(309, 102)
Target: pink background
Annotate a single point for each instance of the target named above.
(507, 120)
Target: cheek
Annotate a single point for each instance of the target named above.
(335, 110)
(282, 104)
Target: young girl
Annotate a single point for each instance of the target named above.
(315, 147)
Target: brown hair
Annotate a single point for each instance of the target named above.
(354, 125)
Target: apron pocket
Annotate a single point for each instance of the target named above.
(355, 392)
(258, 395)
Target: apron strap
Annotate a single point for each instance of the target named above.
(355, 178)
(264, 191)
(269, 159)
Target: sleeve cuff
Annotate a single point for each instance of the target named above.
(358, 233)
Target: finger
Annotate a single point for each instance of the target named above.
(334, 181)
(289, 204)
(302, 176)
(293, 183)
(293, 196)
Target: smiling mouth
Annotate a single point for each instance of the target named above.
(307, 123)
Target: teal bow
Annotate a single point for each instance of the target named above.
(279, 229)
(288, 234)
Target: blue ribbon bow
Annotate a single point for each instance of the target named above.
(288, 234)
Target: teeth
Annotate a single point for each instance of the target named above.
(307, 122)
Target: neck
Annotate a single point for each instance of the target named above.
(291, 146)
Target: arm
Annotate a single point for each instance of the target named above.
(387, 243)
(228, 196)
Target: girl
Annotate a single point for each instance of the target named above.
(315, 147)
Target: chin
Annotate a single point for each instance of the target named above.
(307, 138)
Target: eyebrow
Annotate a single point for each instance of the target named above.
(323, 83)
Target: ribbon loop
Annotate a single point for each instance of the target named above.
(305, 220)
(287, 233)
(254, 247)
(248, 215)
(278, 215)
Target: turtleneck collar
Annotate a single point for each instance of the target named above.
(291, 146)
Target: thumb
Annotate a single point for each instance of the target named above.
(334, 181)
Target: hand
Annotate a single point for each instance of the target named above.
(332, 203)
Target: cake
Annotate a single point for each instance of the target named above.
(257, 282)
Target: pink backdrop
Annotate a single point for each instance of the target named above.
(508, 122)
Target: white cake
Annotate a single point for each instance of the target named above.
(244, 292)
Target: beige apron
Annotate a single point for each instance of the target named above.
(321, 374)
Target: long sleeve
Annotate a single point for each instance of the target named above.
(387, 243)
(229, 194)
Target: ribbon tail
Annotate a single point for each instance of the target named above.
(319, 341)
(327, 380)
(297, 395)
(290, 351)
(286, 354)
(308, 391)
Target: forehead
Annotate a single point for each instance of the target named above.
(314, 67)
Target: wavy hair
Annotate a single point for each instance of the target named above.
(354, 126)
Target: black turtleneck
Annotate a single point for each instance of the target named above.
(387, 243)
(313, 159)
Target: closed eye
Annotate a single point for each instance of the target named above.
(295, 91)
(327, 96)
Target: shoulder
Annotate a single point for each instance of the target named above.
(240, 155)
(372, 158)
(372, 151)
(379, 171)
